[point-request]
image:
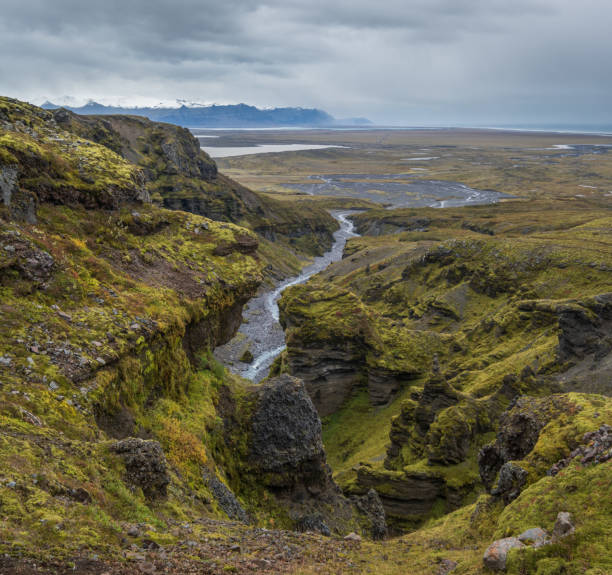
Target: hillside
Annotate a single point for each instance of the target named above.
(445, 386)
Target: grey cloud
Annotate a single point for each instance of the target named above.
(401, 61)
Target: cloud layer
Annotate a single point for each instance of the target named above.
(396, 61)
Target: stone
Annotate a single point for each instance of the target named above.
(352, 537)
(512, 478)
(535, 536)
(247, 356)
(446, 566)
(371, 506)
(596, 449)
(313, 523)
(497, 553)
(145, 465)
(294, 440)
(563, 525)
(225, 497)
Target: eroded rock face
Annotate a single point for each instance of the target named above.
(519, 429)
(243, 243)
(383, 384)
(583, 331)
(21, 204)
(403, 494)
(145, 464)
(8, 183)
(329, 374)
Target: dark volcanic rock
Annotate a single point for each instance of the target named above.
(225, 497)
(243, 243)
(286, 442)
(383, 384)
(437, 395)
(371, 506)
(583, 330)
(512, 478)
(403, 494)
(597, 448)
(26, 259)
(313, 523)
(145, 464)
(519, 429)
(286, 453)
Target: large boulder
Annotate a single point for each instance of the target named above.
(286, 443)
(497, 553)
(563, 525)
(286, 454)
(145, 465)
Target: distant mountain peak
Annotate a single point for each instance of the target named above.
(211, 115)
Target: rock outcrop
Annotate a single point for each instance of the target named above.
(596, 449)
(410, 494)
(371, 506)
(286, 454)
(286, 446)
(225, 497)
(512, 479)
(519, 429)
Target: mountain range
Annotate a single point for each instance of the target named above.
(220, 116)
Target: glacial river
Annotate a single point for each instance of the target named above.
(261, 331)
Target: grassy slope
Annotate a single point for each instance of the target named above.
(458, 293)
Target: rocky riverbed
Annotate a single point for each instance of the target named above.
(260, 338)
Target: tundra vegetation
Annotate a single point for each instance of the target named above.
(445, 385)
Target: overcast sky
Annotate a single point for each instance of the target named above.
(409, 62)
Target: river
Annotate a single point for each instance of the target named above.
(261, 332)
